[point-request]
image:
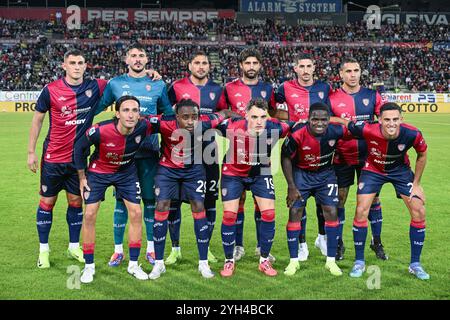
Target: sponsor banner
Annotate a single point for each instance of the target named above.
(429, 18)
(291, 6)
(420, 102)
(25, 106)
(317, 19)
(355, 44)
(132, 15)
(438, 46)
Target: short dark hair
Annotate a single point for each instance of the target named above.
(347, 60)
(122, 99)
(196, 54)
(138, 46)
(303, 56)
(73, 52)
(318, 106)
(250, 52)
(259, 103)
(186, 103)
(390, 106)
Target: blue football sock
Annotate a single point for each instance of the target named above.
(417, 238)
(293, 232)
(175, 222)
(341, 218)
(267, 231)
(331, 230)
(74, 217)
(135, 249)
(211, 218)
(258, 226)
(376, 220)
(302, 237)
(240, 228)
(201, 234)
(228, 232)
(44, 220)
(159, 233)
(359, 237)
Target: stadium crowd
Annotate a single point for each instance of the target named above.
(29, 66)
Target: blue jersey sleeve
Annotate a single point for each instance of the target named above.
(357, 128)
(43, 102)
(279, 95)
(82, 147)
(164, 105)
(106, 100)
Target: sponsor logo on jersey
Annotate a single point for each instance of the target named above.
(186, 96)
(125, 86)
(137, 139)
(321, 94)
(74, 122)
(374, 142)
(309, 157)
(401, 147)
(306, 148)
(238, 95)
(148, 87)
(341, 105)
(294, 95)
(264, 94)
(361, 185)
(224, 191)
(66, 111)
(111, 145)
(44, 188)
(88, 93)
(212, 95)
(62, 99)
(331, 142)
(365, 102)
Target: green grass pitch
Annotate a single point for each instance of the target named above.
(21, 279)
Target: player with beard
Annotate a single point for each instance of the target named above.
(209, 96)
(152, 95)
(298, 95)
(238, 94)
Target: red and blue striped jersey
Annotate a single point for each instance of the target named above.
(249, 155)
(114, 152)
(314, 153)
(299, 98)
(360, 106)
(71, 111)
(209, 97)
(385, 156)
(181, 148)
(238, 95)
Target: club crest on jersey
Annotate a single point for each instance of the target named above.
(86, 195)
(157, 191)
(148, 87)
(212, 95)
(224, 192)
(44, 188)
(91, 131)
(366, 102)
(401, 147)
(264, 94)
(331, 142)
(321, 94)
(137, 139)
(361, 185)
(89, 93)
